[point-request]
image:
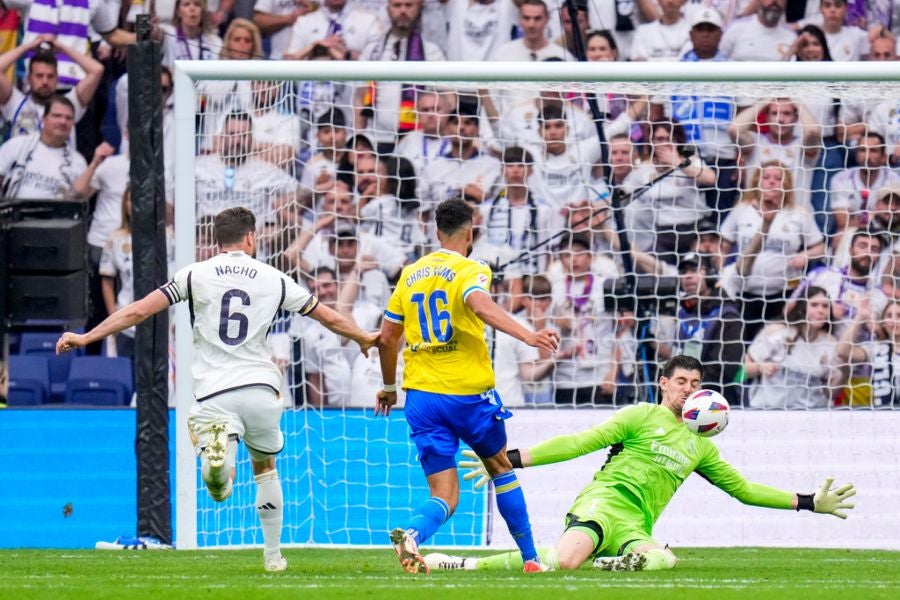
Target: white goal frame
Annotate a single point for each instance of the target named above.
(186, 73)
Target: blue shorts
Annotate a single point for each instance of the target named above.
(438, 421)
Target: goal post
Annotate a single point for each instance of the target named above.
(348, 477)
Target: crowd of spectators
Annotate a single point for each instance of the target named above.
(770, 221)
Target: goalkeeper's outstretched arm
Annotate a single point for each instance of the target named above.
(825, 501)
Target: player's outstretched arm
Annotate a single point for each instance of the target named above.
(827, 501)
(563, 447)
(728, 479)
(120, 320)
(491, 313)
(341, 325)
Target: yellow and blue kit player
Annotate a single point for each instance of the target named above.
(441, 304)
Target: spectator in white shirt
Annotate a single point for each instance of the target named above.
(588, 331)
(327, 359)
(339, 240)
(872, 345)
(670, 209)
(622, 159)
(106, 175)
(276, 130)
(883, 119)
(522, 125)
(846, 42)
(321, 169)
(793, 362)
(533, 46)
(221, 97)
(234, 176)
(347, 250)
(886, 216)
(43, 165)
(665, 39)
(847, 285)
(392, 213)
(853, 190)
(793, 138)
(705, 37)
(23, 111)
(338, 26)
(522, 371)
(776, 240)
(562, 164)
(275, 19)
(622, 18)
(388, 109)
(762, 37)
(464, 170)
(516, 217)
(193, 35)
(478, 28)
(425, 143)
(115, 267)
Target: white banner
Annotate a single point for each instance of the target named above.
(792, 450)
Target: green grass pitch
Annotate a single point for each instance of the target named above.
(758, 573)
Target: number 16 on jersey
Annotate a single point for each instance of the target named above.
(434, 318)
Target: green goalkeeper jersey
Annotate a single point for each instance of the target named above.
(651, 454)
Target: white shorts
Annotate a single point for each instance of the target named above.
(251, 413)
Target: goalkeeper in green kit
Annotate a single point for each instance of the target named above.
(651, 454)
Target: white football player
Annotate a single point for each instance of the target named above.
(233, 299)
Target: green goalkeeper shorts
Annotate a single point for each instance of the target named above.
(610, 518)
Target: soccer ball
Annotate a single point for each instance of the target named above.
(705, 412)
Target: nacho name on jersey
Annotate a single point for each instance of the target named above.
(248, 272)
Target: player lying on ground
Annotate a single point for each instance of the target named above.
(233, 300)
(651, 454)
(440, 305)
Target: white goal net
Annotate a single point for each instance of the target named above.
(761, 214)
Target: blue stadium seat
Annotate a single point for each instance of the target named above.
(29, 381)
(99, 381)
(42, 343)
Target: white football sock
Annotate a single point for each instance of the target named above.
(270, 506)
(659, 559)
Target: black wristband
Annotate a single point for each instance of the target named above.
(805, 502)
(515, 457)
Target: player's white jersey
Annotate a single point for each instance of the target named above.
(233, 299)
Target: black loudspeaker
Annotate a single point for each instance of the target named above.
(42, 245)
(48, 297)
(46, 266)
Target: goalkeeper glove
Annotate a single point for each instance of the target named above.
(476, 468)
(827, 501)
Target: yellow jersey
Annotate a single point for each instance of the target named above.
(446, 352)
